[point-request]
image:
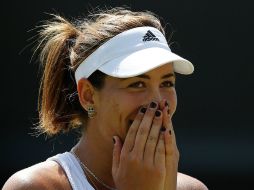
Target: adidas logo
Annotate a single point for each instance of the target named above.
(149, 36)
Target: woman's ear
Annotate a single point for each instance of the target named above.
(85, 93)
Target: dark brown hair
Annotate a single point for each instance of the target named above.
(63, 45)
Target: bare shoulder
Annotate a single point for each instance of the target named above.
(45, 175)
(186, 182)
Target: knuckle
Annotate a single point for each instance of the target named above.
(148, 167)
(124, 155)
(160, 172)
(132, 131)
(160, 150)
(143, 130)
(170, 152)
(152, 139)
(161, 138)
(157, 122)
(134, 159)
(123, 158)
(173, 152)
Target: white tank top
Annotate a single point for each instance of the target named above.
(73, 171)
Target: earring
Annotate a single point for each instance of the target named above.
(90, 111)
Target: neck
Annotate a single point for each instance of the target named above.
(96, 153)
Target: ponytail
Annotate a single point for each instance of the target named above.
(58, 103)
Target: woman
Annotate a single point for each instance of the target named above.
(111, 74)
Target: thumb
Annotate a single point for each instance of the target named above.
(116, 153)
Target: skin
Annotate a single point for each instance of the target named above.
(142, 157)
(117, 104)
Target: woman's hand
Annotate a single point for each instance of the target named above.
(147, 159)
(172, 153)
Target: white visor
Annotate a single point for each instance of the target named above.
(132, 53)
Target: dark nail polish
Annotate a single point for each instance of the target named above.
(170, 132)
(163, 129)
(153, 105)
(157, 113)
(143, 110)
(114, 141)
(166, 104)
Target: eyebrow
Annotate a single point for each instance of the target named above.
(147, 76)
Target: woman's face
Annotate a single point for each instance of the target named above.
(118, 102)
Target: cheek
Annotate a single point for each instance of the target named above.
(124, 108)
(110, 115)
(108, 107)
(119, 108)
(111, 108)
(130, 103)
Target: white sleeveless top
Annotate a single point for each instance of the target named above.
(73, 171)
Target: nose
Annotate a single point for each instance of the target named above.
(155, 95)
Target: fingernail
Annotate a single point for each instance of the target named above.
(166, 104)
(157, 113)
(163, 129)
(153, 105)
(143, 110)
(114, 141)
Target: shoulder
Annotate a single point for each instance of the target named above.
(45, 175)
(185, 182)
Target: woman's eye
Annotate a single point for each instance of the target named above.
(137, 85)
(167, 84)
